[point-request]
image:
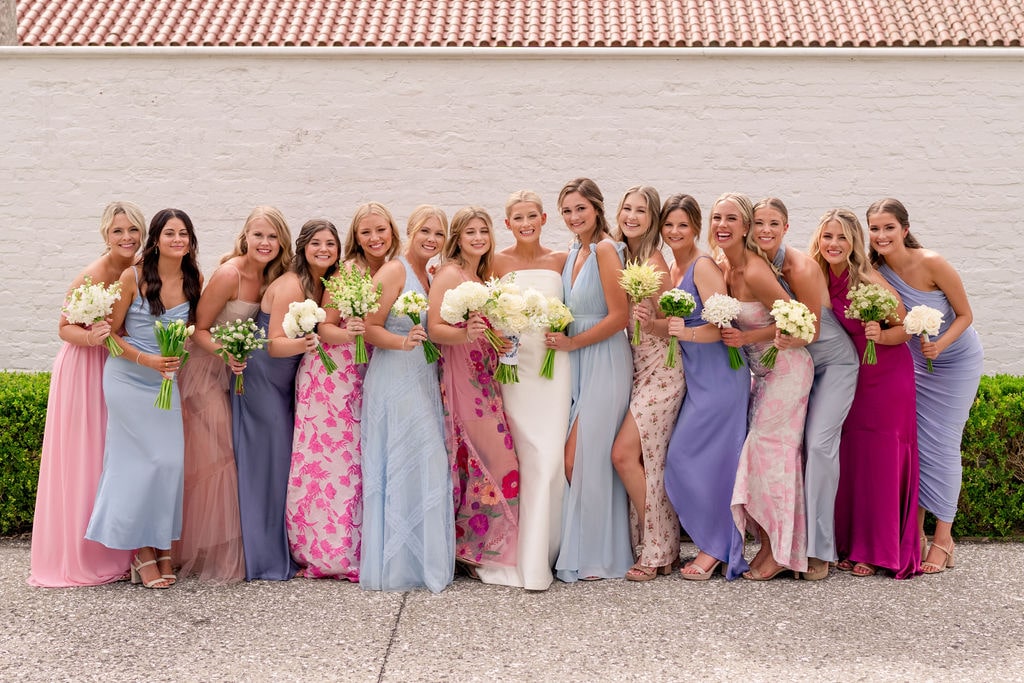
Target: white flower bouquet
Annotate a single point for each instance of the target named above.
(354, 295)
(512, 313)
(468, 297)
(238, 339)
(640, 280)
(792, 318)
(171, 339)
(720, 310)
(870, 302)
(301, 319)
(925, 321)
(675, 303)
(413, 304)
(90, 303)
(557, 319)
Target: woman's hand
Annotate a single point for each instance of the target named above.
(644, 312)
(355, 326)
(475, 327)
(873, 331)
(557, 341)
(676, 327)
(417, 335)
(312, 341)
(237, 366)
(787, 341)
(97, 332)
(165, 365)
(929, 349)
(732, 337)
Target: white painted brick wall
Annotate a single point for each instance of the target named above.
(217, 132)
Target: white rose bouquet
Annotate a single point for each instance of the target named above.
(90, 303)
(354, 295)
(413, 304)
(640, 280)
(301, 319)
(557, 319)
(238, 339)
(870, 302)
(925, 321)
(171, 338)
(720, 310)
(675, 303)
(792, 318)
(512, 313)
(468, 297)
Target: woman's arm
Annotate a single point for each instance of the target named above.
(761, 281)
(98, 331)
(285, 290)
(391, 278)
(808, 285)
(439, 331)
(948, 280)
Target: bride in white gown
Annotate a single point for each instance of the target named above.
(537, 408)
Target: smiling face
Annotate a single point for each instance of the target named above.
(885, 232)
(525, 219)
(634, 217)
(769, 227)
(427, 241)
(123, 237)
(579, 215)
(262, 241)
(727, 226)
(834, 246)
(677, 231)
(322, 251)
(174, 239)
(475, 240)
(373, 235)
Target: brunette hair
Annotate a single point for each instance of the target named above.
(686, 204)
(190, 277)
(650, 241)
(592, 193)
(300, 266)
(902, 216)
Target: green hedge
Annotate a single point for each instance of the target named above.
(22, 418)
(991, 503)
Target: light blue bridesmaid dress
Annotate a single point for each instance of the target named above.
(138, 500)
(595, 510)
(944, 400)
(408, 518)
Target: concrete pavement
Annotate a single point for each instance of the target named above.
(966, 624)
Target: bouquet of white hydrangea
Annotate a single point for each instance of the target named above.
(720, 310)
(301, 319)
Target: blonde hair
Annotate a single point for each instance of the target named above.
(283, 261)
(452, 249)
(353, 250)
(128, 209)
(857, 260)
(521, 196)
(423, 213)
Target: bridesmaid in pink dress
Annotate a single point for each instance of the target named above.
(876, 505)
(641, 445)
(768, 498)
(481, 452)
(211, 532)
(76, 422)
(324, 512)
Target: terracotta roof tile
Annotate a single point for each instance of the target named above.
(523, 23)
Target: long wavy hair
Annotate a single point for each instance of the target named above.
(592, 193)
(857, 260)
(190, 277)
(452, 248)
(311, 287)
(746, 209)
(902, 216)
(280, 264)
(130, 211)
(650, 241)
